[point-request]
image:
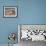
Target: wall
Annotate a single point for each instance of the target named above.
(32, 11)
(7, 25)
(29, 12)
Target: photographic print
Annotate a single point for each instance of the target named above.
(10, 11)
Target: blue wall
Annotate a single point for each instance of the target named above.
(32, 11)
(7, 25)
(29, 12)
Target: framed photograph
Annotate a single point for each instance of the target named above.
(10, 11)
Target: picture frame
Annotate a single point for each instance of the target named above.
(10, 11)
